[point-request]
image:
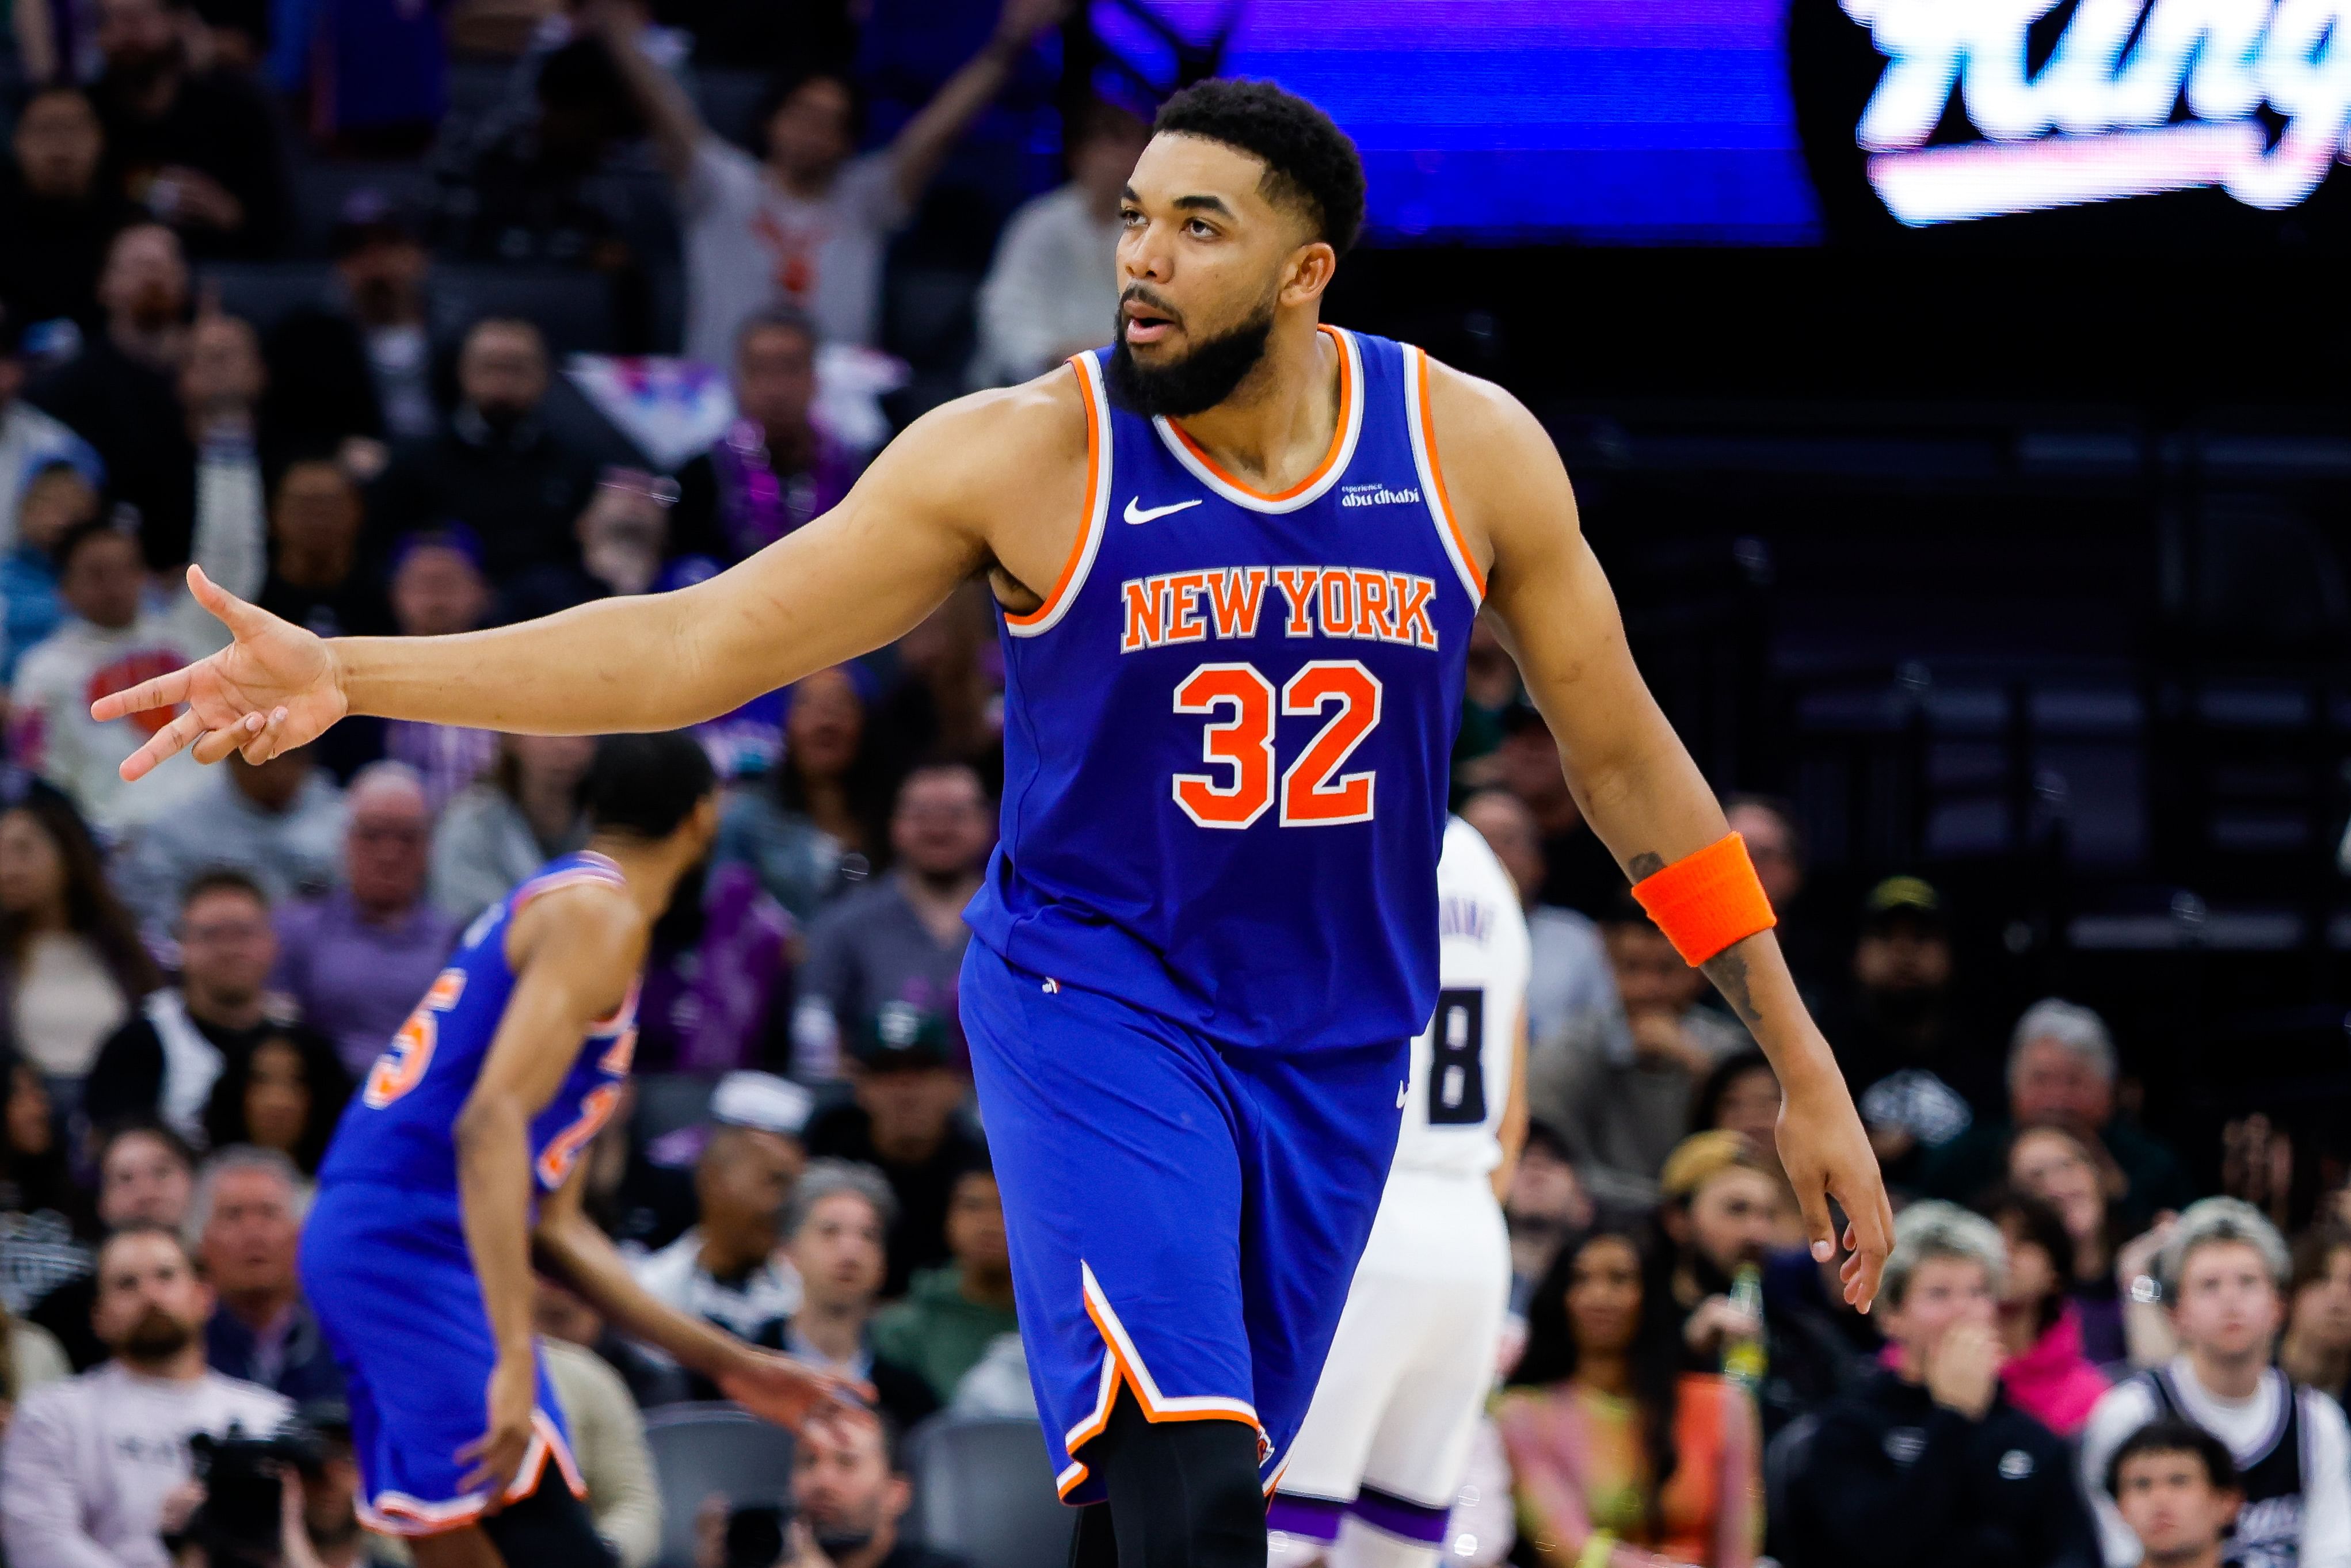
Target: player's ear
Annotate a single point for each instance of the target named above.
(1308, 273)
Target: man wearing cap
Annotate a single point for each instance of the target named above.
(359, 362)
(1920, 1076)
(902, 1121)
(730, 1268)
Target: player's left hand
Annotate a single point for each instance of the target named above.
(793, 1393)
(1827, 1156)
(497, 1454)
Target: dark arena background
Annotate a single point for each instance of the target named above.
(1954, 393)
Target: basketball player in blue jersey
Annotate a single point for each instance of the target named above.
(1236, 555)
(460, 1155)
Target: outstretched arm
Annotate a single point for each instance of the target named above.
(996, 477)
(931, 135)
(671, 118)
(1636, 784)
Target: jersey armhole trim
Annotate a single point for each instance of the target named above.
(1048, 615)
(1432, 479)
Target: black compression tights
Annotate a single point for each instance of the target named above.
(548, 1529)
(1183, 1494)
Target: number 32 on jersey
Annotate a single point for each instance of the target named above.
(1312, 789)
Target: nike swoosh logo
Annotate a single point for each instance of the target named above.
(1135, 514)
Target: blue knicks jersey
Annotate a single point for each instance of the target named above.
(1228, 730)
(400, 1128)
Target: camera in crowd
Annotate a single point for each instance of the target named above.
(241, 1523)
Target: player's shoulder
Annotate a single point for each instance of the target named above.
(1478, 415)
(1012, 430)
(596, 916)
(1470, 868)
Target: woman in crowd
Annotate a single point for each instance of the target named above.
(2316, 1349)
(286, 1093)
(501, 829)
(2065, 1173)
(1742, 1096)
(71, 965)
(1619, 1456)
(823, 820)
(2045, 1373)
(45, 1219)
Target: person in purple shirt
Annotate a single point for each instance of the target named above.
(357, 959)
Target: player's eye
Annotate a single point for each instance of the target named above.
(1130, 216)
(1199, 228)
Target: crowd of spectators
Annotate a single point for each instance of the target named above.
(2079, 1356)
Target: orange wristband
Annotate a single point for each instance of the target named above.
(1707, 901)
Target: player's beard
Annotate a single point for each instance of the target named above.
(1200, 379)
(155, 1338)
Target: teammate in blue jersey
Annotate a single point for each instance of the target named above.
(1237, 556)
(460, 1155)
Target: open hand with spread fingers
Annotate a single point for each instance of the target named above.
(276, 687)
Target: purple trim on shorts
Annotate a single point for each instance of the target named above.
(1415, 1522)
(1315, 1518)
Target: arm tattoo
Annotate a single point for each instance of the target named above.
(1647, 865)
(1728, 970)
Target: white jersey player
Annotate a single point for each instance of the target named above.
(1387, 1438)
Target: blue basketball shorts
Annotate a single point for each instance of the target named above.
(1184, 1217)
(388, 1274)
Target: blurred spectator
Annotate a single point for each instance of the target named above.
(2175, 1486)
(850, 1491)
(2225, 1271)
(1918, 1076)
(198, 149)
(30, 441)
(1546, 1205)
(246, 1218)
(811, 829)
(731, 1268)
(121, 392)
(953, 1313)
(809, 227)
(608, 1442)
(505, 827)
(775, 467)
(279, 821)
(114, 639)
(902, 938)
(649, 1376)
(71, 965)
(716, 995)
(57, 498)
(329, 1519)
(89, 1462)
(31, 1359)
(1052, 290)
(356, 959)
(542, 190)
(1777, 847)
(1721, 1214)
(836, 1232)
(1578, 871)
(145, 1176)
(316, 579)
(1928, 1462)
(494, 467)
(437, 590)
(623, 537)
(1625, 1116)
(2066, 1172)
(360, 364)
(284, 1093)
(902, 1121)
(946, 704)
(2045, 1371)
(1619, 1456)
(58, 213)
(165, 1061)
(2061, 1073)
(1570, 981)
(1742, 1096)
(43, 1213)
(2317, 1348)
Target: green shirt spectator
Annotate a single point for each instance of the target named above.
(952, 1314)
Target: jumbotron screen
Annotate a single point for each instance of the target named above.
(1801, 121)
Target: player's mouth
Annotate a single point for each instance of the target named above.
(1146, 323)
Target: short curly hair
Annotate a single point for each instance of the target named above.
(1310, 163)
